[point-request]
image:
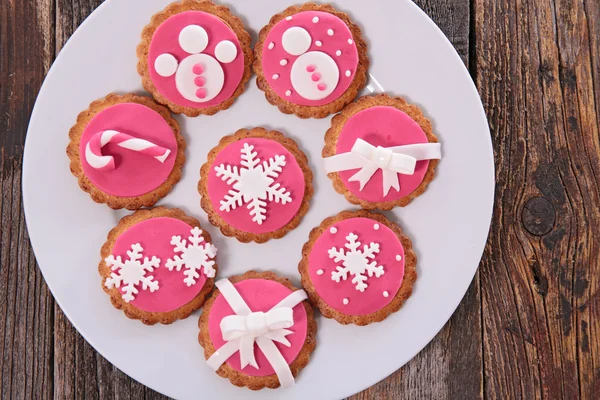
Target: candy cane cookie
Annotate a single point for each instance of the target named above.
(126, 151)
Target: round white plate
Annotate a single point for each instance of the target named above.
(448, 224)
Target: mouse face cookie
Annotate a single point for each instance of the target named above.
(257, 330)
(358, 267)
(195, 57)
(380, 152)
(126, 151)
(158, 265)
(311, 60)
(256, 185)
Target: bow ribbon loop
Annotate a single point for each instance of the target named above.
(390, 160)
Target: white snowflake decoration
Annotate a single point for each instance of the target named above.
(356, 262)
(253, 184)
(194, 256)
(132, 272)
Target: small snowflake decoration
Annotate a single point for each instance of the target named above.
(194, 256)
(356, 262)
(131, 273)
(253, 184)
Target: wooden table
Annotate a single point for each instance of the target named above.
(529, 326)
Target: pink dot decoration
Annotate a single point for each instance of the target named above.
(198, 69)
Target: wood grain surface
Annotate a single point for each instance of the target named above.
(529, 325)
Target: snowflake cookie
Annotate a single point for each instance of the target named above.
(358, 267)
(380, 152)
(126, 151)
(311, 60)
(255, 185)
(158, 265)
(195, 57)
(269, 337)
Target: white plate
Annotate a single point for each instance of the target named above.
(448, 224)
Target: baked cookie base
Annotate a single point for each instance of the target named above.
(220, 11)
(286, 107)
(337, 125)
(116, 202)
(228, 230)
(410, 271)
(258, 382)
(151, 318)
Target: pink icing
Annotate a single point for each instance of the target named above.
(260, 295)
(165, 40)
(292, 178)
(334, 293)
(386, 127)
(154, 235)
(135, 173)
(347, 61)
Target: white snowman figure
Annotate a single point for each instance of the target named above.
(198, 77)
(314, 74)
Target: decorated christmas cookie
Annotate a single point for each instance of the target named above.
(358, 267)
(158, 265)
(256, 185)
(380, 152)
(126, 151)
(311, 60)
(195, 57)
(257, 330)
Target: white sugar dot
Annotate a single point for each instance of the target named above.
(288, 18)
(225, 51)
(330, 32)
(345, 301)
(348, 73)
(333, 230)
(398, 257)
(288, 93)
(376, 227)
(283, 62)
(350, 41)
(316, 19)
(338, 53)
(276, 76)
(386, 294)
(320, 272)
(165, 65)
(271, 45)
(319, 43)
(193, 39)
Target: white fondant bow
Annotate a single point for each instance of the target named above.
(245, 328)
(391, 160)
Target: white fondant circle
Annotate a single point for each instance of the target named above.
(165, 65)
(213, 75)
(225, 51)
(193, 39)
(296, 41)
(302, 81)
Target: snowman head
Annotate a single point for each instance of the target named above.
(198, 77)
(314, 74)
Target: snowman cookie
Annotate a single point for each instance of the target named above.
(195, 57)
(126, 151)
(256, 185)
(381, 152)
(358, 267)
(257, 330)
(158, 265)
(311, 60)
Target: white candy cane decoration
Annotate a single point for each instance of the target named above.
(93, 150)
(391, 160)
(244, 328)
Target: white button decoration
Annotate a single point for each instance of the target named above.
(326, 70)
(193, 39)
(212, 73)
(165, 65)
(296, 41)
(225, 51)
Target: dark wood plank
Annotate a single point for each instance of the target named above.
(536, 63)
